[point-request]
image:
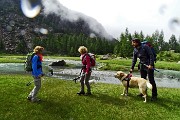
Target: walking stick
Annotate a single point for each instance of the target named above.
(76, 78)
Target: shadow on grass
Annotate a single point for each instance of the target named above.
(168, 104)
(57, 110)
(107, 99)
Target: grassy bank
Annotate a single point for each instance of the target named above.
(60, 102)
(112, 64)
(125, 64)
(12, 58)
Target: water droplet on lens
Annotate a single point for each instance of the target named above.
(9, 28)
(92, 35)
(31, 8)
(11, 23)
(162, 9)
(43, 31)
(23, 32)
(36, 30)
(174, 24)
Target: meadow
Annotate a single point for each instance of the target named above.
(60, 101)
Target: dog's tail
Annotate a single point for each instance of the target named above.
(149, 85)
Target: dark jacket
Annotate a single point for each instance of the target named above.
(145, 55)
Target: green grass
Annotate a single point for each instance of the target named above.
(60, 102)
(12, 59)
(112, 64)
(125, 64)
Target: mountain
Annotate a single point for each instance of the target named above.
(54, 18)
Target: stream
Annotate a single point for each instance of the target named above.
(163, 78)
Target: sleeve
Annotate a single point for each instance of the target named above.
(88, 66)
(34, 65)
(150, 54)
(154, 53)
(134, 60)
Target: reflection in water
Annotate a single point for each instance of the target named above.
(161, 77)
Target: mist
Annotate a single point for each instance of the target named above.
(54, 6)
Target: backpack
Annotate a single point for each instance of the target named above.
(152, 49)
(28, 62)
(92, 59)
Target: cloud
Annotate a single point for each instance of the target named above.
(53, 6)
(137, 15)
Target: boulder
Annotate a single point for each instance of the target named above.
(105, 57)
(58, 63)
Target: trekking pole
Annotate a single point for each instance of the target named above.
(29, 83)
(76, 78)
(158, 71)
(51, 73)
(152, 68)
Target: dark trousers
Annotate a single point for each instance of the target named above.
(85, 80)
(150, 74)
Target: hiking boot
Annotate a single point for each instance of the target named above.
(87, 94)
(153, 98)
(81, 93)
(140, 95)
(35, 100)
(29, 98)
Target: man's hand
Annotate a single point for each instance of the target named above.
(130, 71)
(150, 67)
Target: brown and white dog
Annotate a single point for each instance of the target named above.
(142, 83)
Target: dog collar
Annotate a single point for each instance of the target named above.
(123, 78)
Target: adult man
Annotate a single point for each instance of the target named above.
(146, 64)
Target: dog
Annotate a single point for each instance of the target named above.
(142, 83)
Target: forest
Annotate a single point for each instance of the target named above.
(67, 44)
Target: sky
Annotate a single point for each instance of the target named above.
(136, 15)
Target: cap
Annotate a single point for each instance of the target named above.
(136, 40)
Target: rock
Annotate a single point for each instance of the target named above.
(105, 57)
(58, 63)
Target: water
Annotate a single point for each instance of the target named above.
(164, 78)
(11, 68)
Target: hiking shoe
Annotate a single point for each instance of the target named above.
(29, 98)
(35, 100)
(81, 93)
(87, 94)
(140, 95)
(153, 98)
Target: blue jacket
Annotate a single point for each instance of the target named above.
(145, 55)
(36, 66)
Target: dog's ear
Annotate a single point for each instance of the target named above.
(121, 74)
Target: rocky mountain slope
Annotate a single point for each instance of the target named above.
(15, 27)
